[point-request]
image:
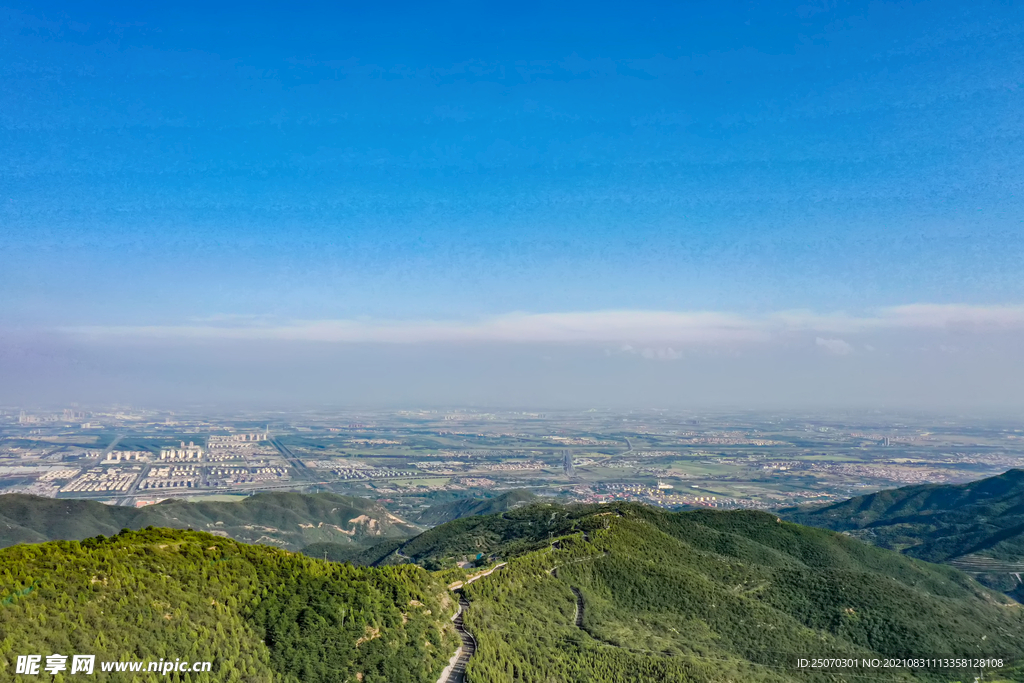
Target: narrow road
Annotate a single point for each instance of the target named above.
(299, 470)
(133, 490)
(567, 465)
(457, 673)
(110, 447)
(579, 606)
(457, 586)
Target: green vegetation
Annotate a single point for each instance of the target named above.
(287, 520)
(508, 534)
(362, 557)
(721, 596)
(700, 596)
(258, 613)
(977, 526)
(466, 507)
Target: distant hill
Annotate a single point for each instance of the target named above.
(978, 526)
(392, 551)
(466, 507)
(256, 612)
(287, 520)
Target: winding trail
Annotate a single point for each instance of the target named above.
(458, 585)
(455, 672)
(456, 669)
(578, 617)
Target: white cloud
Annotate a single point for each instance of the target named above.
(959, 317)
(629, 329)
(836, 346)
(667, 353)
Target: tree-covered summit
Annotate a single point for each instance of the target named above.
(258, 613)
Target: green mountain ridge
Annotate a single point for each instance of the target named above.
(978, 526)
(712, 596)
(616, 593)
(287, 520)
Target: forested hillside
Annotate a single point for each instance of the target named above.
(615, 593)
(287, 520)
(508, 533)
(369, 556)
(258, 613)
(466, 507)
(978, 527)
(721, 596)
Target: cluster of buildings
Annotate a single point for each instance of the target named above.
(191, 452)
(781, 466)
(662, 494)
(231, 446)
(126, 456)
(104, 479)
(235, 446)
(580, 441)
(368, 472)
(171, 476)
(227, 476)
(249, 437)
(926, 474)
(731, 440)
(516, 466)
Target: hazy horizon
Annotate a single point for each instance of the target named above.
(769, 207)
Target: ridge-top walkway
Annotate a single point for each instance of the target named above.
(455, 672)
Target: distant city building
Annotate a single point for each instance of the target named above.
(126, 456)
(221, 440)
(255, 436)
(189, 452)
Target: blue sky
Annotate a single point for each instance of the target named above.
(256, 164)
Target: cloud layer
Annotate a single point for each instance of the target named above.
(662, 327)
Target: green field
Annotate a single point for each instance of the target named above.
(217, 498)
(430, 481)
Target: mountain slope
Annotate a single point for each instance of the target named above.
(717, 596)
(466, 507)
(506, 533)
(614, 593)
(390, 550)
(257, 613)
(997, 501)
(288, 520)
(977, 526)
